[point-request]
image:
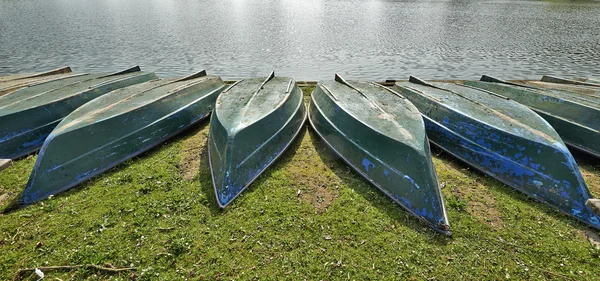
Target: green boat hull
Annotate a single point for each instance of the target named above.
(381, 135)
(504, 140)
(583, 91)
(118, 126)
(30, 114)
(14, 82)
(575, 117)
(254, 122)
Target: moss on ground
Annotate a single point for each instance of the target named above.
(308, 217)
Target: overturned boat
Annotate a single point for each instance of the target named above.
(503, 139)
(253, 123)
(562, 89)
(118, 126)
(16, 81)
(28, 115)
(560, 80)
(576, 117)
(381, 135)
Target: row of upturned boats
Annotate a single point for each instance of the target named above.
(84, 124)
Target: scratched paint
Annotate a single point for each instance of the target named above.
(253, 124)
(575, 116)
(540, 167)
(30, 114)
(58, 169)
(375, 146)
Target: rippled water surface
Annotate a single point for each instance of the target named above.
(305, 39)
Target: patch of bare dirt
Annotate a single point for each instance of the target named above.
(190, 152)
(591, 175)
(3, 198)
(314, 180)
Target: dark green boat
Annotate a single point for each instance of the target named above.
(576, 117)
(503, 139)
(28, 115)
(559, 80)
(117, 126)
(14, 82)
(381, 135)
(254, 122)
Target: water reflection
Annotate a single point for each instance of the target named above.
(308, 40)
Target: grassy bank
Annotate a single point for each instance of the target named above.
(308, 217)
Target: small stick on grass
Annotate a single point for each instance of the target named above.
(22, 272)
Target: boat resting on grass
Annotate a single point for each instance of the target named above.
(117, 126)
(16, 81)
(576, 117)
(254, 122)
(28, 115)
(505, 140)
(381, 135)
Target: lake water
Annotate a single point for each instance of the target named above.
(305, 39)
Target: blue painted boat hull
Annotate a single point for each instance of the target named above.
(536, 163)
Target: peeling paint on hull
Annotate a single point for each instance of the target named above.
(382, 137)
(576, 117)
(541, 167)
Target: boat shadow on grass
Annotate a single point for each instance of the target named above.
(13, 203)
(375, 198)
(493, 203)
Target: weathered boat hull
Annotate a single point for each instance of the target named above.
(576, 118)
(381, 136)
(28, 115)
(254, 122)
(14, 82)
(504, 140)
(559, 80)
(118, 126)
(581, 92)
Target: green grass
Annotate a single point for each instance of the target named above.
(308, 217)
